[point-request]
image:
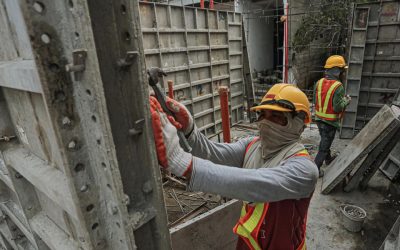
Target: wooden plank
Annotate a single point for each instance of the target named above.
(211, 230)
(365, 141)
(53, 236)
(20, 74)
(49, 180)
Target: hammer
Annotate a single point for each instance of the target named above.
(154, 75)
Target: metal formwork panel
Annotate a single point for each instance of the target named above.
(380, 71)
(354, 74)
(200, 50)
(77, 170)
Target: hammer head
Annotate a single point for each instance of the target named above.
(154, 74)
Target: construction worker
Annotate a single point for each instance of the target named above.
(273, 173)
(330, 102)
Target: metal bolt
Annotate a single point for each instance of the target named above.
(84, 188)
(126, 200)
(147, 188)
(29, 207)
(112, 208)
(66, 121)
(18, 175)
(72, 145)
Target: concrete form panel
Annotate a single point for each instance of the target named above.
(64, 178)
(384, 123)
(201, 50)
(375, 59)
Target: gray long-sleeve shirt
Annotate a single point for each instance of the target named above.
(217, 168)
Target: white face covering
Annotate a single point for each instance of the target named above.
(275, 137)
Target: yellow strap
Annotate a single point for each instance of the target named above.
(324, 115)
(329, 95)
(243, 232)
(304, 151)
(250, 224)
(319, 87)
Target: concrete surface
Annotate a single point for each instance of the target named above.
(324, 227)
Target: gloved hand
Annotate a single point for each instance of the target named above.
(347, 98)
(182, 115)
(169, 153)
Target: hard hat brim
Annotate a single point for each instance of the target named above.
(269, 107)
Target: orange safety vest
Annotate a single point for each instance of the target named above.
(324, 99)
(252, 216)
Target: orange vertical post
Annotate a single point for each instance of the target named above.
(211, 7)
(202, 4)
(223, 98)
(170, 89)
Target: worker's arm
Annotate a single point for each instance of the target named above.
(231, 154)
(294, 179)
(339, 101)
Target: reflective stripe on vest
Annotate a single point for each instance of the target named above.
(322, 111)
(252, 216)
(250, 222)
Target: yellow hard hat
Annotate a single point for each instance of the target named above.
(335, 61)
(286, 98)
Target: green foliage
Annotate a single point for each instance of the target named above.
(326, 23)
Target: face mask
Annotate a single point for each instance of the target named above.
(275, 137)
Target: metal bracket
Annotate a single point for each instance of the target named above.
(137, 127)
(140, 217)
(78, 64)
(128, 60)
(7, 138)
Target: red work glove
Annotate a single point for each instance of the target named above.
(169, 153)
(182, 115)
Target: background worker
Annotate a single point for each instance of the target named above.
(272, 174)
(330, 102)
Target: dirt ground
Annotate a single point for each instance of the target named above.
(325, 229)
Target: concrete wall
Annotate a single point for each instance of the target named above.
(304, 65)
(260, 36)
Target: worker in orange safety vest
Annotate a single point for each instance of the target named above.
(330, 102)
(272, 174)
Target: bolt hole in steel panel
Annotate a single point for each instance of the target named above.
(195, 52)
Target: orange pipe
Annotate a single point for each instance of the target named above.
(202, 4)
(211, 7)
(223, 98)
(170, 89)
